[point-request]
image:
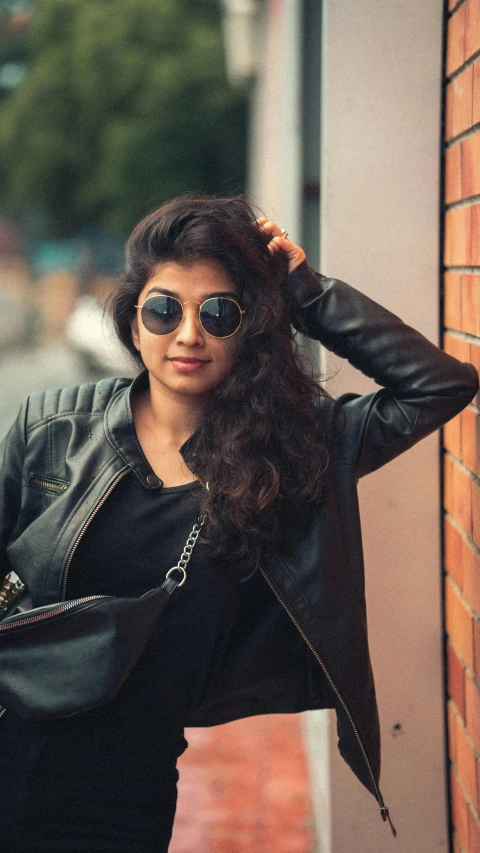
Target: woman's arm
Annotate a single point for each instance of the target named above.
(423, 387)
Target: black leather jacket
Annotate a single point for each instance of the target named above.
(69, 448)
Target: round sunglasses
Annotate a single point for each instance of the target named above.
(219, 316)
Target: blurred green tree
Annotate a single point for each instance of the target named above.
(123, 105)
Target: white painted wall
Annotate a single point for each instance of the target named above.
(379, 231)
(274, 168)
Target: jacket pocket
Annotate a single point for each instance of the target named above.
(50, 485)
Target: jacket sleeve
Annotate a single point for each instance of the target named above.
(12, 452)
(423, 387)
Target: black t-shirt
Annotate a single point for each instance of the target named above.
(127, 549)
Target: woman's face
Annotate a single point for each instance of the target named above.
(187, 362)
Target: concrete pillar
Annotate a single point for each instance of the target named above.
(380, 150)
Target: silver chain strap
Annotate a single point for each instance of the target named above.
(187, 551)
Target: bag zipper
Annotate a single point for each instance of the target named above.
(30, 620)
(82, 531)
(383, 809)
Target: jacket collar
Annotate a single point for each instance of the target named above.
(121, 434)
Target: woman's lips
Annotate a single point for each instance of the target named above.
(188, 365)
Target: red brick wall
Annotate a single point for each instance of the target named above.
(462, 435)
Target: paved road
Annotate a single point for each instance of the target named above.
(244, 788)
(22, 371)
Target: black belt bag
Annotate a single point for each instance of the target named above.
(72, 656)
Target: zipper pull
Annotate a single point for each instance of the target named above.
(386, 816)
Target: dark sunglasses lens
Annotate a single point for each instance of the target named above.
(161, 314)
(220, 316)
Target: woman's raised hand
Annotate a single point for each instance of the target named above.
(280, 243)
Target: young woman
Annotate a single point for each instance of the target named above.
(102, 484)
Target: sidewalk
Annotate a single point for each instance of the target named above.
(244, 789)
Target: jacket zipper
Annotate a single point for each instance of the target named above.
(48, 484)
(80, 535)
(383, 809)
(67, 566)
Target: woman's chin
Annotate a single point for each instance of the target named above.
(187, 385)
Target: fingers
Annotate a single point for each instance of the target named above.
(269, 227)
(281, 243)
(278, 241)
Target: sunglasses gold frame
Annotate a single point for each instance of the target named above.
(200, 306)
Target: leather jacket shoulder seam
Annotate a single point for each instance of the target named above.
(67, 414)
(89, 405)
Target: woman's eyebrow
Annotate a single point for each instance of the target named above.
(165, 292)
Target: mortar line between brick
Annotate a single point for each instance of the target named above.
(452, 11)
(463, 202)
(460, 530)
(463, 270)
(463, 336)
(459, 843)
(466, 732)
(468, 606)
(470, 61)
(468, 738)
(463, 467)
(467, 669)
(451, 701)
(465, 792)
(463, 135)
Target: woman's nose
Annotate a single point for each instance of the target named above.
(190, 331)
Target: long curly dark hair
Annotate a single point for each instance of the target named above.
(263, 448)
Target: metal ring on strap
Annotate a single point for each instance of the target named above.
(177, 569)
